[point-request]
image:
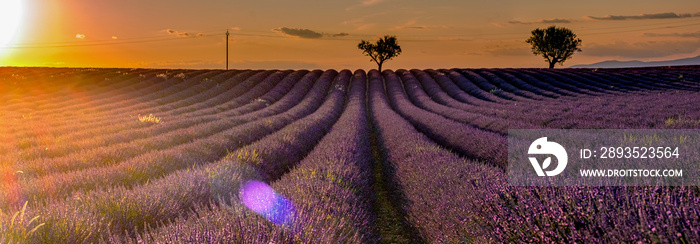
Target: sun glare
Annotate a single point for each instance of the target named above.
(10, 13)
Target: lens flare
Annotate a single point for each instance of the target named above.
(263, 200)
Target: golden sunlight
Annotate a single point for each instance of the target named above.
(10, 14)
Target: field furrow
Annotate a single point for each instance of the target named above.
(297, 156)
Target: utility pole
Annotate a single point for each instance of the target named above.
(227, 49)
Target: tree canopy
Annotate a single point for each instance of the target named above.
(384, 49)
(555, 44)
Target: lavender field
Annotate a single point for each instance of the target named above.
(279, 156)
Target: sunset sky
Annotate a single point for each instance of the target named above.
(309, 34)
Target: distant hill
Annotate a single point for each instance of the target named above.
(636, 63)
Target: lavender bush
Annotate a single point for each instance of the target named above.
(270, 156)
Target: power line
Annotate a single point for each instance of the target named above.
(108, 43)
(202, 34)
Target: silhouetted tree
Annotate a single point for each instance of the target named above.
(386, 48)
(555, 44)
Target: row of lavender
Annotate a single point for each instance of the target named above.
(330, 188)
(132, 192)
(438, 205)
(102, 136)
(564, 111)
(179, 105)
(31, 133)
(450, 200)
(197, 147)
(95, 136)
(133, 98)
(120, 155)
(303, 132)
(138, 206)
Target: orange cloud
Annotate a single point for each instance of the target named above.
(542, 21)
(341, 34)
(298, 32)
(669, 15)
(182, 34)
